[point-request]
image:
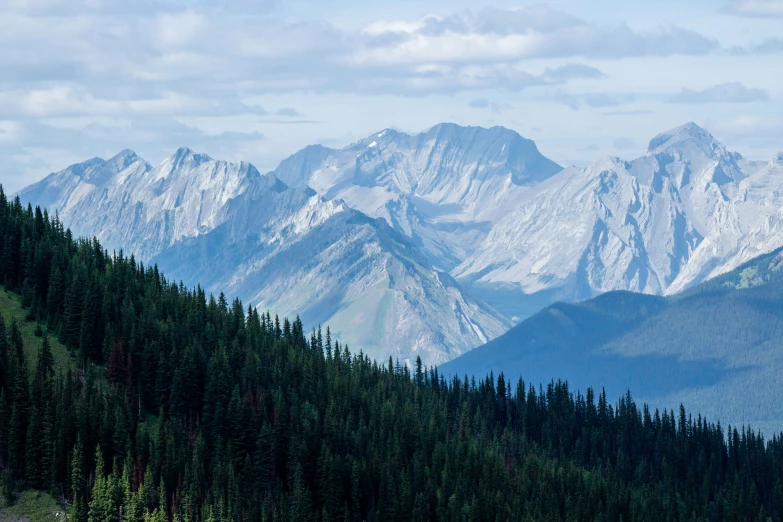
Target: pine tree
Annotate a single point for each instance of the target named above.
(20, 409)
(78, 483)
(116, 371)
(102, 504)
(33, 446)
(5, 419)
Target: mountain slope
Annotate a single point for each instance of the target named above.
(701, 347)
(442, 188)
(223, 403)
(348, 271)
(686, 211)
(481, 205)
(284, 249)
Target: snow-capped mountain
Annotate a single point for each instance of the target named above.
(686, 211)
(284, 249)
(443, 188)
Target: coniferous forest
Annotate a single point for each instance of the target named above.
(184, 406)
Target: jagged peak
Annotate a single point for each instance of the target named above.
(271, 181)
(78, 168)
(608, 163)
(496, 131)
(122, 160)
(778, 159)
(684, 133)
(123, 155)
(446, 130)
(186, 153)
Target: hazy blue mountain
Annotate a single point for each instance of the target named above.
(701, 347)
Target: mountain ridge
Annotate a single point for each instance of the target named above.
(656, 224)
(513, 230)
(698, 348)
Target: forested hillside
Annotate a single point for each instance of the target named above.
(182, 406)
(700, 348)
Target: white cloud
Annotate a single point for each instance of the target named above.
(757, 8)
(175, 30)
(495, 35)
(592, 100)
(733, 92)
(9, 131)
(117, 74)
(75, 101)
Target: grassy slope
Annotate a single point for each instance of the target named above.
(11, 309)
(32, 506)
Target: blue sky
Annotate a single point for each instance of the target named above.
(257, 80)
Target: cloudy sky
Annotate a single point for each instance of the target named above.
(259, 79)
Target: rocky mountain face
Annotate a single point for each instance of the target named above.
(686, 211)
(443, 188)
(128, 204)
(407, 244)
(283, 249)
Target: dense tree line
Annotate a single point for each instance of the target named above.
(188, 407)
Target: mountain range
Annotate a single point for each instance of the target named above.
(431, 244)
(288, 250)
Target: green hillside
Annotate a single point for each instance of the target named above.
(32, 506)
(210, 411)
(12, 311)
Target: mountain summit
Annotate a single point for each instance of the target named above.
(688, 132)
(442, 188)
(687, 210)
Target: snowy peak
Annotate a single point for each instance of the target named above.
(128, 204)
(691, 143)
(689, 132)
(123, 159)
(443, 187)
(185, 158)
(113, 166)
(189, 168)
(297, 169)
(691, 155)
(496, 151)
(687, 210)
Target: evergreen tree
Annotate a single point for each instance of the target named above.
(78, 484)
(102, 507)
